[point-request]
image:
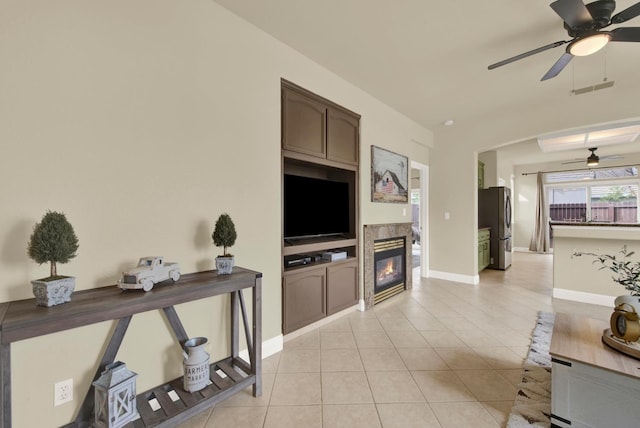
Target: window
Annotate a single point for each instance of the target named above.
(614, 204)
(602, 195)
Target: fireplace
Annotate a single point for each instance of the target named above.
(390, 268)
(383, 256)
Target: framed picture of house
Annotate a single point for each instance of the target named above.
(389, 176)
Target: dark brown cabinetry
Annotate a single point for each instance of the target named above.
(304, 298)
(342, 136)
(342, 286)
(320, 140)
(303, 124)
(316, 127)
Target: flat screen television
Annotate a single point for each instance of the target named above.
(314, 207)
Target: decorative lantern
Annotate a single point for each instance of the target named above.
(115, 396)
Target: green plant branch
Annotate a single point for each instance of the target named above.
(627, 272)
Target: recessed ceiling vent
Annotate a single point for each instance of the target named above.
(592, 88)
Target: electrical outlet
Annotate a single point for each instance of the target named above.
(62, 392)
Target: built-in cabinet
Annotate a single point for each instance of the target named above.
(304, 127)
(313, 127)
(484, 248)
(320, 140)
(304, 298)
(342, 286)
(480, 175)
(343, 135)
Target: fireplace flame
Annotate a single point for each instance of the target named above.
(386, 271)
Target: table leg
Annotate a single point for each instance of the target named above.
(234, 323)
(256, 352)
(5, 385)
(176, 325)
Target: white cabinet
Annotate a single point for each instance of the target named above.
(592, 385)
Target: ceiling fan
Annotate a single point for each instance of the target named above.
(584, 24)
(593, 159)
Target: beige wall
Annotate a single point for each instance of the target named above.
(578, 275)
(143, 121)
(453, 160)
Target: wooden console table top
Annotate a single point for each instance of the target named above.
(579, 338)
(23, 319)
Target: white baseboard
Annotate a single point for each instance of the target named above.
(581, 296)
(526, 250)
(275, 344)
(465, 279)
(269, 347)
(320, 323)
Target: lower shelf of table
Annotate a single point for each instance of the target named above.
(228, 376)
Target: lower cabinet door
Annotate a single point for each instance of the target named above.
(487, 254)
(342, 286)
(303, 299)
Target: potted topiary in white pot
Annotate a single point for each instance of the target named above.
(224, 235)
(54, 241)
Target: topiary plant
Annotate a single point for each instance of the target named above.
(224, 234)
(53, 240)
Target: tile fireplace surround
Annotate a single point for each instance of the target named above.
(373, 232)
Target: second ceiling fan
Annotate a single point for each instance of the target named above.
(593, 159)
(584, 23)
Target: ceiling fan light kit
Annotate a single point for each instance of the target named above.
(583, 24)
(593, 159)
(588, 45)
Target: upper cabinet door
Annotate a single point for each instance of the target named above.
(342, 137)
(304, 124)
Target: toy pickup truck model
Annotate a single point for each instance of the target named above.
(150, 271)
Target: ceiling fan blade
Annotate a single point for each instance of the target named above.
(611, 157)
(574, 161)
(573, 12)
(627, 14)
(560, 64)
(625, 34)
(526, 54)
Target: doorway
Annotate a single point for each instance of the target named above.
(419, 219)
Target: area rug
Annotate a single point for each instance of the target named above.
(532, 406)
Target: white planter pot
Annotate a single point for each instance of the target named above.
(54, 292)
(633, 301)
(224, 265)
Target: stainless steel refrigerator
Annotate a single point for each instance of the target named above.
(494, 211)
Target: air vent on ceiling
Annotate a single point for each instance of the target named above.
(592, 88)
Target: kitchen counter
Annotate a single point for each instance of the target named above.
(592, 224)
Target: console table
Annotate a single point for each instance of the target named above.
(22, 319)
(592, 385)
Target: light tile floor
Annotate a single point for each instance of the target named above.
(443, 354)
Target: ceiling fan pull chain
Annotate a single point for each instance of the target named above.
(573, 78)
